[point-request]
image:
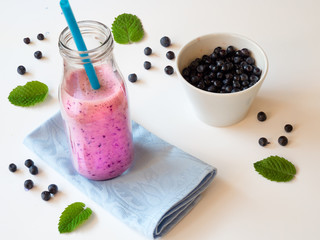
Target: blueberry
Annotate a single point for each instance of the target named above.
(147, 65)
(26, 40)
(40, 36)
(168, 70)
(21, 70)
(257, 71)
(45, 195)
(263, 141)
(245, 52)
(244, 77)
(38, 54)
(28, 184)
(283, 140)
(28, 163)
(33, 170)
(185, 72)
(250, 60)
(170, 55)
(217, 50)
(261, 116)
(12, 167)
(132, 77)
(230, 50)
(200, 68)
(165, 41)
(288, 128)
(53, 188)
(147, 51)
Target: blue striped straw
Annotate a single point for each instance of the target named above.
(75, 31)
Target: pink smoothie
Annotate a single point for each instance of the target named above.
(98, 123)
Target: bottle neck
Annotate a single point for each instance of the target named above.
(98, 39)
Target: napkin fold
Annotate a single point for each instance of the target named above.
(162, 186)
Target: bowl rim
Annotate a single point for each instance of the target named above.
(225, 34)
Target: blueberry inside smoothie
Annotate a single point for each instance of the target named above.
(98, 123)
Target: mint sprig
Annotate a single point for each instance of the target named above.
(73, 216)
(28, 95)
(276, 168)
(127, 28)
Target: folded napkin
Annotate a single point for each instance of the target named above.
(162, 186)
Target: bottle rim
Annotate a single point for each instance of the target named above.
(94, 54)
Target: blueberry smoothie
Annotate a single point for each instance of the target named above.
(98, 123)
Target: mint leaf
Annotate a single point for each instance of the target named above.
(30, 94)
(73, 216)
(127, 28)
(276, 168)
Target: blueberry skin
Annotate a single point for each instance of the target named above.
(147, 51)
(263, 141)
(21, 70)
(170, 55)
(28, 184)
(283, 140)
(261, 116)
(12, 167)
(45, 195)
(165, 41)
(38, 54)
(26, 40)
(132, 77)
(288, 128)
(168, 70)
(28, 163)
(33, 170)
(147, 65)
(40, 36)
(53, 188)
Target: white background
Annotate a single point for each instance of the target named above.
(239, 204)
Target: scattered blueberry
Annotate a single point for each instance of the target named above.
(147, 65)
(21, 70)
(26, 40)
(33, 170)
(147, 51)
(283, 140)
(38, 54)
(168, 70)
(28, 184)
(261, 116)
(288, 128)
(165, 41)
(40, 36)
(132, 77)
(28, 163)
(53, 189)
(45, 195)
(263, 141)
(12, 167)
(170, 55)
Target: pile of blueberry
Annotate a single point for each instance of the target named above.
(37, 54)
(223, 71)
(282, 140)
(28, 184)
(165, 42)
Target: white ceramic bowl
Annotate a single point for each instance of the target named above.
(220, 109)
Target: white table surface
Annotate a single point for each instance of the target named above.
(239, 204)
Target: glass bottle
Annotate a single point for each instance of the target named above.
(97, 121)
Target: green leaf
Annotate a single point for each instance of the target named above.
(73, 216)
(30, 94)
(276, 168)
(127, 28)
